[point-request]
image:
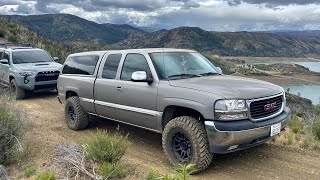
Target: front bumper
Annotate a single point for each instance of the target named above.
(29, 83)
(225, 136)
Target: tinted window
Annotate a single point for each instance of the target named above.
(6, 55)
(30, 56)
(133, 63)
(80, 65)
(111, 66)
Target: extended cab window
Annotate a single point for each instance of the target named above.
(133, 63)
(84, 65)
(111, 66)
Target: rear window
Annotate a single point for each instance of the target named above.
(84, 65)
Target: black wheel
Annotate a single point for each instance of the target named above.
(185, 141)
(15, 91)
(76, 117)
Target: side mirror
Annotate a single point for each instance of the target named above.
(219, 70)
(4, 61)
(56, 59)
(140, 76)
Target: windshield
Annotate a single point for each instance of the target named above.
(33, 56)
(177, 65)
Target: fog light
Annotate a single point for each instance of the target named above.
(233, 147)
(26, 81)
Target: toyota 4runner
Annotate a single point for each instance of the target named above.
(178, 93)
(24, 68)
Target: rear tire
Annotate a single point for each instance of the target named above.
(76, 117)
(15, 91)
(185, 141)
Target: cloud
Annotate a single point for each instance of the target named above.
(217, 15)
(272, 3)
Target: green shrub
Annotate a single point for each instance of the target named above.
(153, 175)
(104, 148)
(111, 171)
(45, 176)
(29, 171)
(305, 144)
(11, 128)
(290, 139)
(296, 125)
(316, 129)
(183, 172)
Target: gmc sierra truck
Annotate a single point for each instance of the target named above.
(179, 93)
(24, 68)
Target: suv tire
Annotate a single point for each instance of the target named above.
(15, 91)
(76, 117)
(185, 141)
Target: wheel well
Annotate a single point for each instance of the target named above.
(70, 94)
(172, 112)
(10, 78)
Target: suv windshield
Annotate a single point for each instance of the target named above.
(178, 65)
(30, 56)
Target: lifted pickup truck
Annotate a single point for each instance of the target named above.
(25, 68)
(178, 93)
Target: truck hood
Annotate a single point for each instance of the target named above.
(229, 87)
(37, 67)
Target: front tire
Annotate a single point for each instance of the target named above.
(76, 117)
(185, 141)
(16, 92)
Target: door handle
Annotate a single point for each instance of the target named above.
(119, 88)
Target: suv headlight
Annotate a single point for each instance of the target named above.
(26, 73)
(231, 109)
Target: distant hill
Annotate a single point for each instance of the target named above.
(87, 35)
(227, 43)
(305, 33)
(67, 28)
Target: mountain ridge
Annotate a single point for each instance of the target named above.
(71, 29)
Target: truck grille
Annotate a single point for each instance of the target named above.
(262, 109)
(47, 76)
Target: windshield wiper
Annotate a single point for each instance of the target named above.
(209, 74)
(184, 75)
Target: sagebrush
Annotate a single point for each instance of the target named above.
(12, 124)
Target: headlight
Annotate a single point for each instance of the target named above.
(26, 73)
(231, 109)
(284, 99)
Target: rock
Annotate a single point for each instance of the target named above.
(3, 173)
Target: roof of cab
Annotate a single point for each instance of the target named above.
(147, 50)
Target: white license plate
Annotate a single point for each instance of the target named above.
(275, 129)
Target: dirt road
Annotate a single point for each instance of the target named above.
(267, 161)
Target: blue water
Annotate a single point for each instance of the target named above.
(311, 92)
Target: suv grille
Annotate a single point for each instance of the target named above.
(47, 76)
(265, 108)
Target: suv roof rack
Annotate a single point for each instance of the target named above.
(6, 45)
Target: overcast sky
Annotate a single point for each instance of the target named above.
(216, 15)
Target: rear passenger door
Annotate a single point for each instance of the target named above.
(136, 101)
(105, 86)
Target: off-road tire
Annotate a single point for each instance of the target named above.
(195, 131)
(80, 119)
(15, 91)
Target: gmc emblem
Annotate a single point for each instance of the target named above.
(270, 106)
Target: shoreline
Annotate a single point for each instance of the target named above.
(271, 59)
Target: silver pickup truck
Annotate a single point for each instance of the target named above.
(178, 93)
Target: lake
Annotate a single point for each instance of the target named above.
(308, 91)
(311, 92)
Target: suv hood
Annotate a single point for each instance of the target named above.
(41, 66)
(229, 87)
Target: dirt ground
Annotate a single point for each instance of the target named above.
(269, 161)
